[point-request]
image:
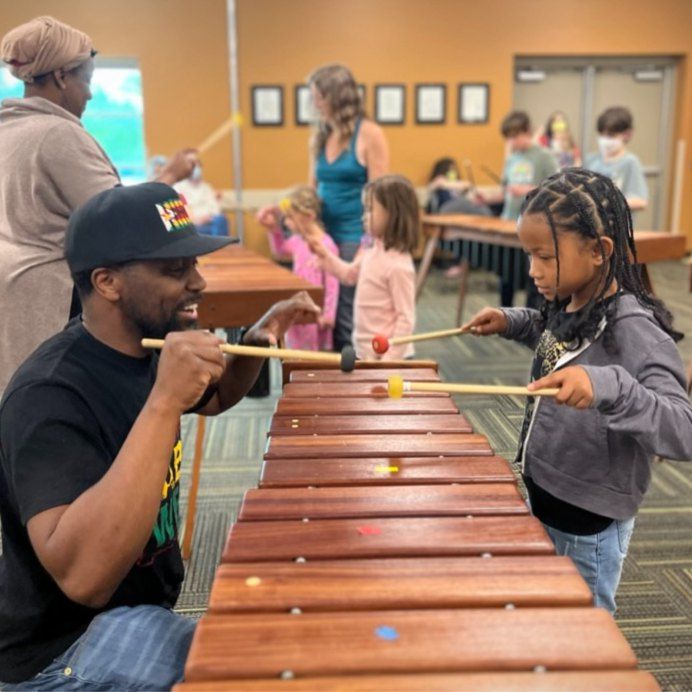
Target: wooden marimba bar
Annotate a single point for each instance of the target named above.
(387, 547)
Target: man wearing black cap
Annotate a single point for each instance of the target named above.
(90, 452)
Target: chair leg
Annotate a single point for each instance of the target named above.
(194, 487)
(463, 281)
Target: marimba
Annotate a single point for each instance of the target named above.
(394, 551)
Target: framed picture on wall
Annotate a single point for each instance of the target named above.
(267, 105)
(430, 104)
(390, 104)
(474, 103)
(304, 107)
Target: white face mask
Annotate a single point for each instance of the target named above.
(610, 146)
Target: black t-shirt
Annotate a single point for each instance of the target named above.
(63, 419)
(551, 510)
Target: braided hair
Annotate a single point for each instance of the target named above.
(587, 203)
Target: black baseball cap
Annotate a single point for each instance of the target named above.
(135, 222)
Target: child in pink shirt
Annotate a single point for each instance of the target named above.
(301, 210)
(383, 269)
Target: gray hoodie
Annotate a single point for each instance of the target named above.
(599, 459)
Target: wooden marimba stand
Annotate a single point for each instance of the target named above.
(388, 548)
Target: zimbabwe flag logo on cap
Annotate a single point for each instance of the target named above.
(173, 215)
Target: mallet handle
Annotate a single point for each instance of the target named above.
(474, 389)
(426, 335)
(469, 173)
(263, 352)
(219, 133)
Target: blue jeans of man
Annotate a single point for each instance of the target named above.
(599, 558)
(140, 648)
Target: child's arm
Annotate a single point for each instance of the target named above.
(331, 299)
(444, 183)
(524, 325)
(346, 272)
(635, 189)
(278, 245)
(402, 286)
(653, 408)
(269, 218)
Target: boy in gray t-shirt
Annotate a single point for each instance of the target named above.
(524, 169)
(623, 167)
(526, 166)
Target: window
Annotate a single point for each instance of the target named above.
(114, 116)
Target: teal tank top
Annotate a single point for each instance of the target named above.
(340, 185)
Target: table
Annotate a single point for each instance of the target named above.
(242, 285)
(652, 246)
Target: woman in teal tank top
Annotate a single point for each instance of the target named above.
(347, 150)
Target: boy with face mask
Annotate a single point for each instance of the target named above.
(623, 167)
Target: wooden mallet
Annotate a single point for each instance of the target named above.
(381, 344)
(219, 133)
(346, 360)
(469, 173)
(397, 387)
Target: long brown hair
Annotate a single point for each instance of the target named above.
(337, 86)
(396, 194)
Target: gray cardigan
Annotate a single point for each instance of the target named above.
(599, 458)
(49, 166)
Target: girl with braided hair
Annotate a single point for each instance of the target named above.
(607, 344)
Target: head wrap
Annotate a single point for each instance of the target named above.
(43, 45)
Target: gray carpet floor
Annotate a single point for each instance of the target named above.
(655, 595)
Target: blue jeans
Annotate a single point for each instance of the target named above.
(217, 226)
(140, 648)
(599, 558)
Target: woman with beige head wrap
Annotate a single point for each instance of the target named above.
(44, 45)
(49, 166)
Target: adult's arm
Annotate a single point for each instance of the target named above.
(375, 150)
(179, 166)
(242, 371)
(89, 545)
